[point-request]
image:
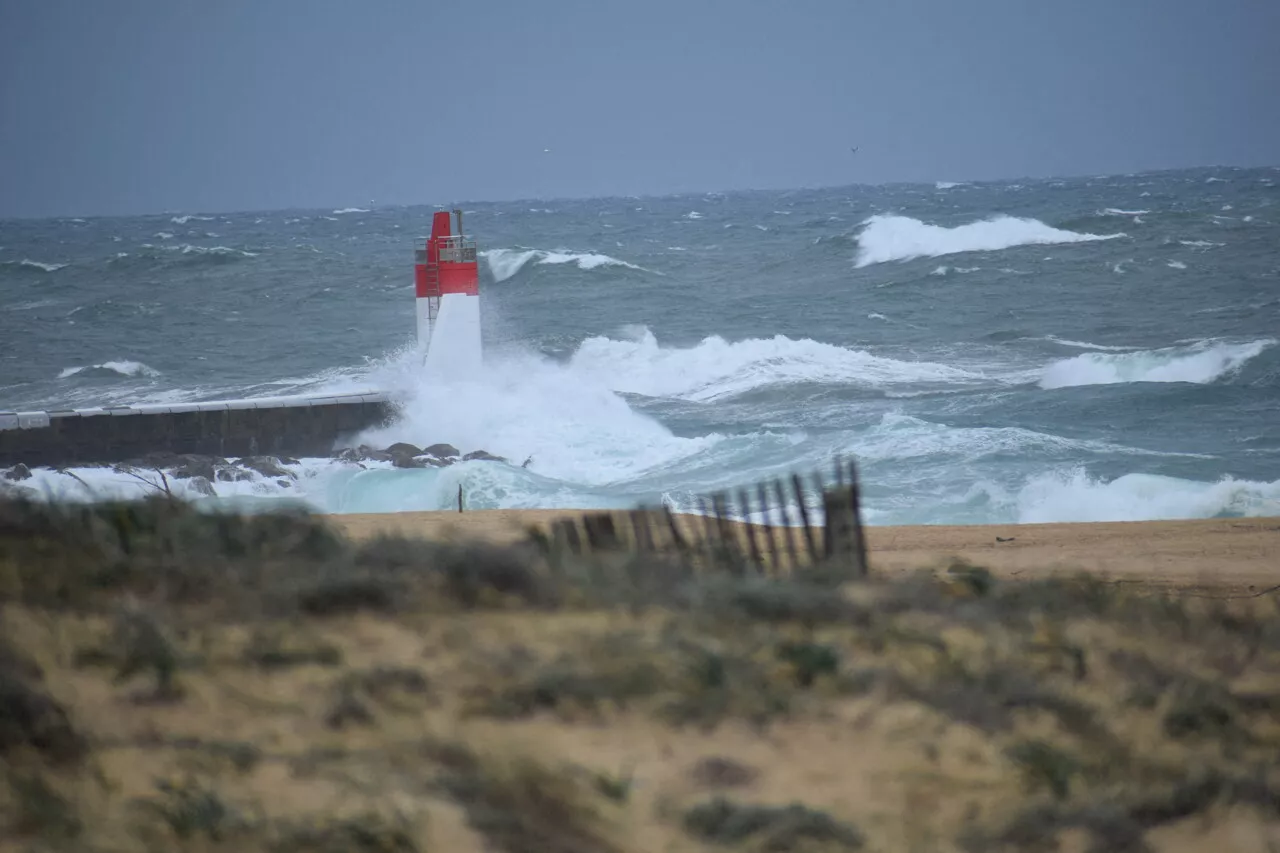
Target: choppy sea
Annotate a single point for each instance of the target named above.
(1098, 348)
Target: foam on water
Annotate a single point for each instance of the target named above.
(521, 405)
(1201, 362)
(887, 237)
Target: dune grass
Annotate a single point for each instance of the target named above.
(180, 680)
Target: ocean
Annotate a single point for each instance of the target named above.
(1085, 349)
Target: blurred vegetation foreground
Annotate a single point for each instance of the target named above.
(177, 680)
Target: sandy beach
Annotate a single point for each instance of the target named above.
(1227, 555)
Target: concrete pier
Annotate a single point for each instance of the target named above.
(275, 426)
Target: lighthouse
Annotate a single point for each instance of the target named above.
(447, 282)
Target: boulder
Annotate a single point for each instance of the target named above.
(401, 461)
(403, 448)
(17, 473)
(483, 456)
(267, 466)
(201, 486)
(196, 466)
(365, 453)
(232, 474)
(441, 451)
(433, 462)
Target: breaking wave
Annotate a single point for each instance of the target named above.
(1073, 495)
(505, 263)
(110, 368)
(900, 238)
(716, 368)
(1201, 362)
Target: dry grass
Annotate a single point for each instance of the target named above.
(174, 680)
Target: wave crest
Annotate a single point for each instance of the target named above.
(716, 368)
(1073, 495)
(110, 368)
(887, 237)
(1201, 362)
(38, 266)
(505, 263)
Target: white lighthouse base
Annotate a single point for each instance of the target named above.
(453, 347)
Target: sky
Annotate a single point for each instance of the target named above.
(141, 106)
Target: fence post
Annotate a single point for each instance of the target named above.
(787, 532)
(641, 531)
(762, 493)
(602, 534)
(676, 537)
(728, 551)
(564, 533)
(804, 517)
(841, 530)
(744, 498)
(855, 509)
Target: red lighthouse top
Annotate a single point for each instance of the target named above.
(448, 263)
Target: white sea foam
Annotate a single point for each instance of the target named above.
(947, 185)
(899, 238)
(1115, 211)
(693, 214)
(39, 265)
(121, 368)
(505, 263)
(575, 427)
(1201, 244)
(717, 368)
(1177, 265)
(1201, 362)
(164, 235)
(1073, 495)
(350, 210)
(183, 220)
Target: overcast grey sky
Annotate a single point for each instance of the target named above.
(131, 106)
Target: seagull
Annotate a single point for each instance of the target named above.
(546, 150)
(855, 149)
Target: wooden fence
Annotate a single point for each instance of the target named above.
(770, 527)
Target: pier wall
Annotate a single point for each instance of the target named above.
(278, 426)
